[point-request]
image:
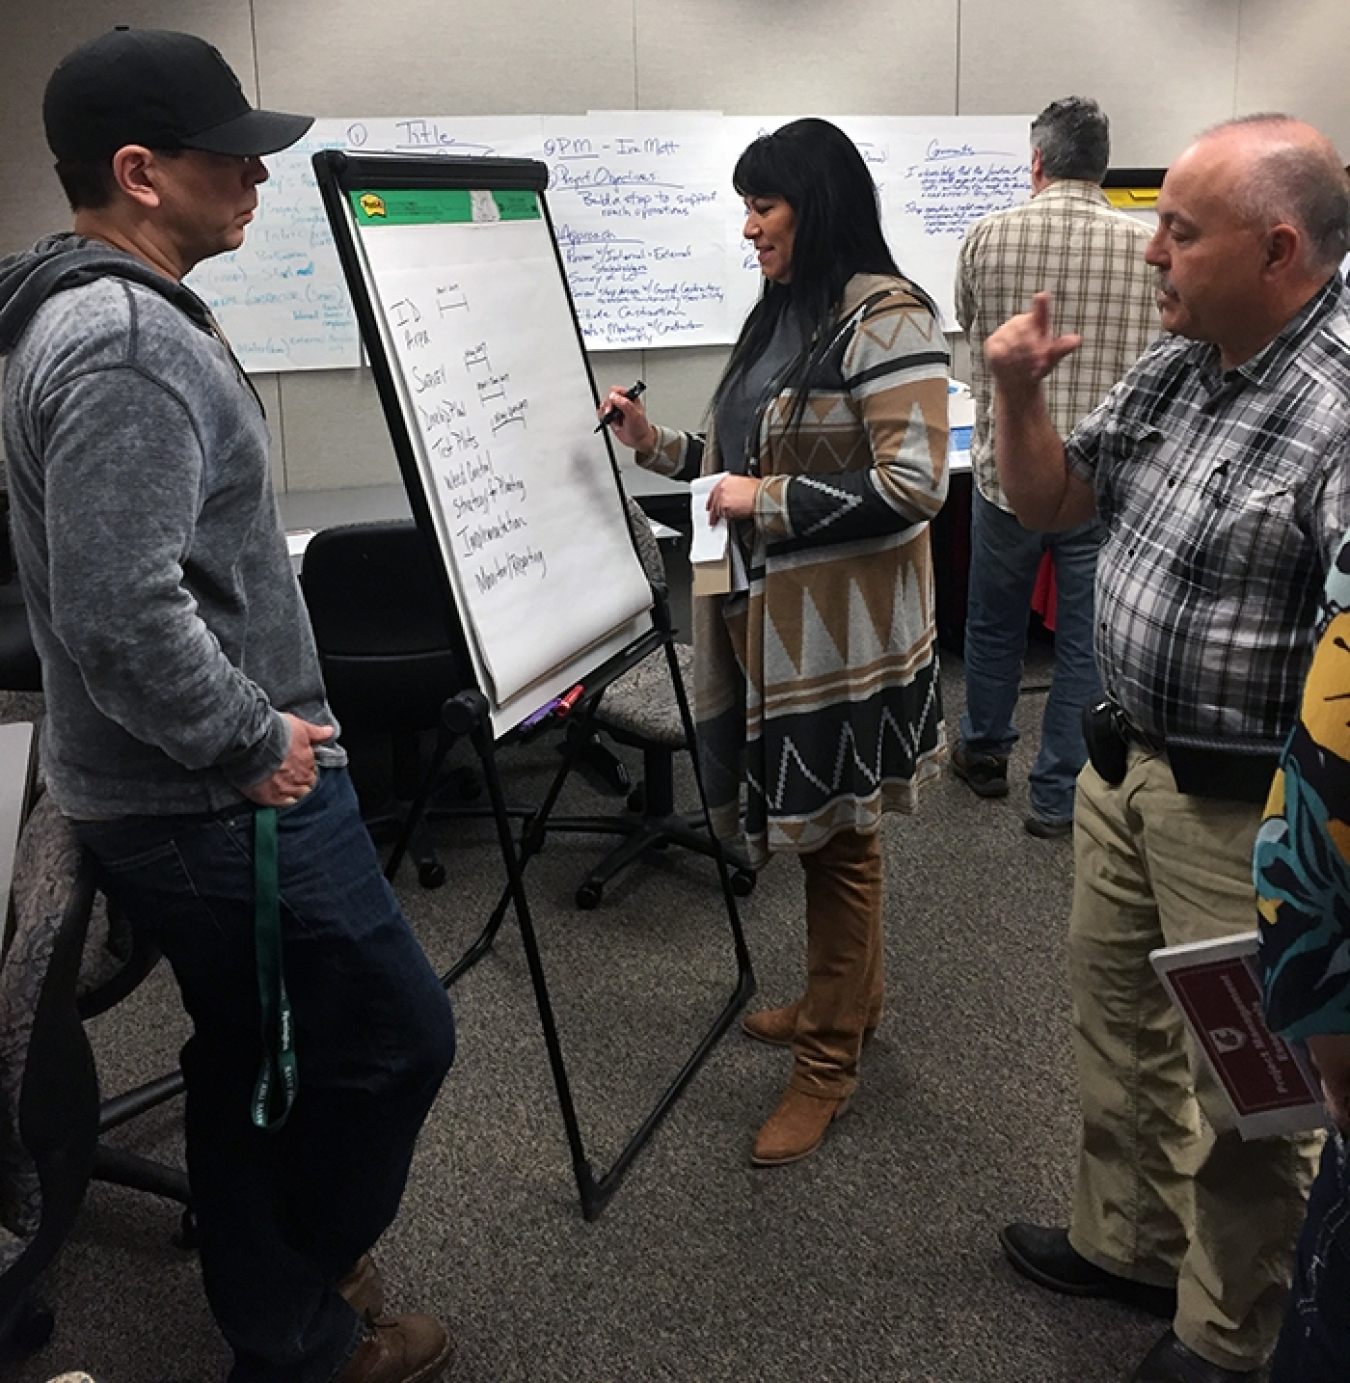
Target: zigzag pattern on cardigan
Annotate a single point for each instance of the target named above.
(859, 753)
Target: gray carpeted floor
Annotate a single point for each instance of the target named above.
(875, 1259)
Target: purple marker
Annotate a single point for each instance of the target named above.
(541, 714)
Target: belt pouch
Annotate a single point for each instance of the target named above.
(1219, 773)
(1107, 748)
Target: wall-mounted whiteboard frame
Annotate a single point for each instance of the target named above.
(538, 609)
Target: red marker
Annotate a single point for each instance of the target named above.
(567, 701)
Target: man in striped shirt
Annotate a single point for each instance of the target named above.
(1220, 468)
(1067, 241)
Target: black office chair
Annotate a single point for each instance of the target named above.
(20, 670)
(639, 710)
(386, 647)
(52, 976)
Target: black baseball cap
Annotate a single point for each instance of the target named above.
(157, 88)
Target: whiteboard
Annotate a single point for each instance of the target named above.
(647, 221)
(649, 226)
(495, 412)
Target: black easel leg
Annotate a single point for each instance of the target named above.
(533, 834)
(468, 714)
(481, 734)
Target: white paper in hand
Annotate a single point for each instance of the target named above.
(709, 542)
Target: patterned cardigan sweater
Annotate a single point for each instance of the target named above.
(819, 688)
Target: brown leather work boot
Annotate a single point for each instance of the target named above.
(794, 1130)
(363, 1289)
(400, 1349)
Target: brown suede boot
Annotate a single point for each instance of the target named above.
(775, 1026)
(772, 1025)
(363, 1289)
(400, 1349)
(794, 1130)
(844, 963)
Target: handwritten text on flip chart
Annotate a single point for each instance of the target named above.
(495, 390)
(647, 222)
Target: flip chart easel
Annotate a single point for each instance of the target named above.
(477, 355)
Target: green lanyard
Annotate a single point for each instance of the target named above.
(278, 1076)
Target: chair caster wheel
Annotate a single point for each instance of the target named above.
(589, 896)
(742, 882)
(33, 1327)
(431, 874)
(186, 1238)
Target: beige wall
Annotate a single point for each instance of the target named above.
(1162, 68)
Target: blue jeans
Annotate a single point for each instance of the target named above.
(1004, 560)
(283, 1216)
(1314, 1344)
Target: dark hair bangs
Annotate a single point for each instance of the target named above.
(768, 168)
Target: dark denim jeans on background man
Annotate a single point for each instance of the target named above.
(1004, 561)
(283, 1216)
(1314, 1344)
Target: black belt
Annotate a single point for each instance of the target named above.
(1134, 735)
(1217, 773)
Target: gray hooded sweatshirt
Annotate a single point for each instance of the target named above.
(160, 592)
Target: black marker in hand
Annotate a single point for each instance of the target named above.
(612, 415)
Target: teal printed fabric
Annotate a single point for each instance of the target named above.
(1302, 858)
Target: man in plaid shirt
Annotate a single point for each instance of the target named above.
(1218, 467)
(1069, 242)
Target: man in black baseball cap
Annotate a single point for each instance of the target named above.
(161, 89)
(187, 734)
(169, 94)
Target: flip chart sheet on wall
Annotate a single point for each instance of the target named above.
(647, 220)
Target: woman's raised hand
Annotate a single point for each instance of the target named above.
(631, 427)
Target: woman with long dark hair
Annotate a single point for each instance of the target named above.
(816, 677)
